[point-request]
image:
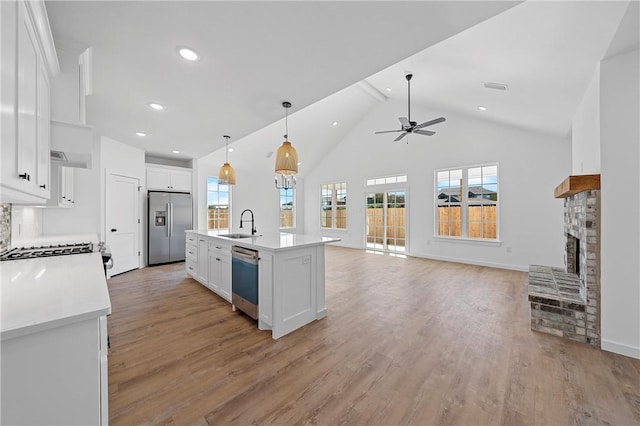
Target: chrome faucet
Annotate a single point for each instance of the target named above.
(253, 226)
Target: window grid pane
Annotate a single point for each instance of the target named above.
(217, 205)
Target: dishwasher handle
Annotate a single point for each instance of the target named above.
(246, 255)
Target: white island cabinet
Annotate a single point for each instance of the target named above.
(54, 341)
(291, 289)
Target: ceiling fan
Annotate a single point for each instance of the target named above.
(409, 126)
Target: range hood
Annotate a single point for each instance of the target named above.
(72, 144)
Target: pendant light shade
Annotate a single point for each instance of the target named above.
(226, 175)
(286, 157)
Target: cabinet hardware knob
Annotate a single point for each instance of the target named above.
(64, 198)
(43, 186)
(218, 259)
(24, 176)
(114, 230)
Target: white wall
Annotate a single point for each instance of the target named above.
(620, 197)
(125, 160)
(530, 166)
(585, 147)
(254, 190)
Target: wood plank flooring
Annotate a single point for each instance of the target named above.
(406, 341)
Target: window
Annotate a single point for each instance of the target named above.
(217, 205)
(387, 180)
(467, 202)
(334, 206)
(287, 208)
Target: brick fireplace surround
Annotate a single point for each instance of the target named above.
(566, 302)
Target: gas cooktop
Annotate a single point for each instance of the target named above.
(50, 250)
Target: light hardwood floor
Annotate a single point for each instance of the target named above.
(406, 341)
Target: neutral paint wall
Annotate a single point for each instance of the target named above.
(585, 147)
(620, 162)
(119, 158)
(254, 190)
(530, 166)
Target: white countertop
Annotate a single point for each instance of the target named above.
(274, 242)
(37, 294)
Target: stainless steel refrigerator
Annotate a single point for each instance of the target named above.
(169, 216)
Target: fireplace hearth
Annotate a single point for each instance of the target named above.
(566, 303)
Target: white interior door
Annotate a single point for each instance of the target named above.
(122, 222)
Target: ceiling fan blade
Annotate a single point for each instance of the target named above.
(400, 137)
(424, 132)
(430, 123)
(405, 122)
(389, 131)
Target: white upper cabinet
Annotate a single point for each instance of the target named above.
(168, 178)
(62, 187)
(28, 62)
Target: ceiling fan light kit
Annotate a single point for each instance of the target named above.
(226, 175)
(408, 126)
(286, 158)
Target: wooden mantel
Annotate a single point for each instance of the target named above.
(578, 183)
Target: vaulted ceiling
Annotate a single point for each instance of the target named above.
(332, 60)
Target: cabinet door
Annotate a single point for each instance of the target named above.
(214, 272)
(224, 285)
(44, 128)
(203, 260)
(67, 197)
(28, 76)
(158, 178)
(180, 181)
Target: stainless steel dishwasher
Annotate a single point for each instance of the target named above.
(244, 280)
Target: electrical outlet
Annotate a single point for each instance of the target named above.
(306, 260)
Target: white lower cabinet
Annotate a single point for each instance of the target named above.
(220, 269)
(202, 271)
(57, 375)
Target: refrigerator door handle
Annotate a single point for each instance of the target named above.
(170, 219)
(168, 224)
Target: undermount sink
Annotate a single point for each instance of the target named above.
(238, 235)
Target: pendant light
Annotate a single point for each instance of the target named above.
(286, 157)
(226, 175)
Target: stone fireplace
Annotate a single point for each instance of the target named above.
(566, 302)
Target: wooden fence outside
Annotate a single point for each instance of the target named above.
(450, 221)
(217, 218)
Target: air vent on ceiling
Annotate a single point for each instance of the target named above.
(58, 156)
(496, 86)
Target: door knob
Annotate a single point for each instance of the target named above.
(113, 230)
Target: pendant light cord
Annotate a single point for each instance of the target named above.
(286, 123)
(226, 150)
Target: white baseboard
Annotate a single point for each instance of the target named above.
(474, 262)
(620, 348)
(524, 268)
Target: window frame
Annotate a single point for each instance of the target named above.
(334, 205)
(293, 208)
(229, 192)
(464, 204)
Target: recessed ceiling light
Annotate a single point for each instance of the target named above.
(335, 123)
(176, 151)
(482, 108)
(188, 54)
(299, 162)
(388, 89)
(230, 149)
(157, 107)
(141, 134)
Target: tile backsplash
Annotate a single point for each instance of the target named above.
(5, 227)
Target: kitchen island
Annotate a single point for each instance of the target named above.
(53, 327)
(291, 288)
